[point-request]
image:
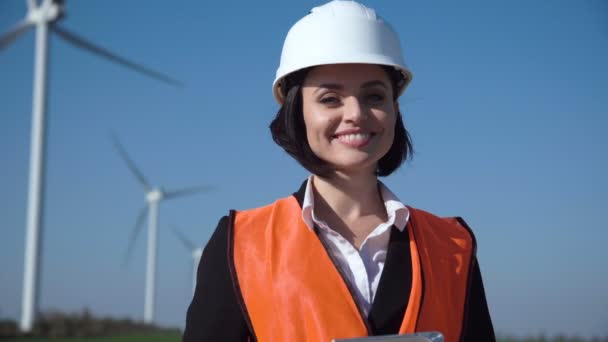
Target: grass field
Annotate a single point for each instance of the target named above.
(131, 338)
(177, 338)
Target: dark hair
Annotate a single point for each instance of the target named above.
(289, 130)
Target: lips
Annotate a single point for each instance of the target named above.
(354, 139)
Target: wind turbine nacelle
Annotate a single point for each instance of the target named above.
(60, 5)
(154, 196)
(47, 12)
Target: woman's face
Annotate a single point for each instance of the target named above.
(349, 115)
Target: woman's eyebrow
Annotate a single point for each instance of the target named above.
(336, 86)
(333, 86)
(373, 83)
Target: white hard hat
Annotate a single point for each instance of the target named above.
(340, 31)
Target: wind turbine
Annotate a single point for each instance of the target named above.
(196, 253)
(45, 15)
(153, 197)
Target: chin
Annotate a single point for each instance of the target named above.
(357, 168)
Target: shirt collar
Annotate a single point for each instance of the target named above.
(398, 214)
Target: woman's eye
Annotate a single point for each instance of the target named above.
(330, 100)
(375, 98)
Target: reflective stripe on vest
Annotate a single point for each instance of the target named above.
(291, 290)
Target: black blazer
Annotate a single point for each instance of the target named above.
(218, 314)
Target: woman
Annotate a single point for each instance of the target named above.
(343, 256)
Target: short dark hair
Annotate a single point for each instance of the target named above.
(289, 130)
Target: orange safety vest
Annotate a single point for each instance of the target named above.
(292, 291)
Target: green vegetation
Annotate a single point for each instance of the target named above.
(126, 338)
(177, 338)
(83, 326)
(167, 337)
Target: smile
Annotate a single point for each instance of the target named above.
(355, 139)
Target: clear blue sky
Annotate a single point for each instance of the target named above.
(508, 111)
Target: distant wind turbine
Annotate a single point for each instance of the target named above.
(195, 252)
(45, 15)
(153, 197)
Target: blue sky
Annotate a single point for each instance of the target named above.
(507, 109)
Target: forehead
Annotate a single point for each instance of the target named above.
(345, 74)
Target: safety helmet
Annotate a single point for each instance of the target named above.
(341, 31)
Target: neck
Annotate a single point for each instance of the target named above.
(349, 196)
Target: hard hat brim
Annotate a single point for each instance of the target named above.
(279, 93)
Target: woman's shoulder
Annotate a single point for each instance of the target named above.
(423, 216)
(285, 203)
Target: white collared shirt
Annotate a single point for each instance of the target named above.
(362, 268)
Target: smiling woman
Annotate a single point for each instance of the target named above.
(342, 257)
(290, 131)
(350, 115)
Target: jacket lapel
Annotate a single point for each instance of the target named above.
(392, 295)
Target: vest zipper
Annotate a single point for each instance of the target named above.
(349, 286)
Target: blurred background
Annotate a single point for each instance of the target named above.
(508, 111)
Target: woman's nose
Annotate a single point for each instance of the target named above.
(354, 110)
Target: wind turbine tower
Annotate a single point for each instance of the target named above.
(153, 197)
(45, 15)
(195, 252)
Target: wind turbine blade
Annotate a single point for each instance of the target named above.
(7, 38)
(185, 241)
(31, 4)
(80, 42)
(123, 154)
(186, 191)
(134, 233)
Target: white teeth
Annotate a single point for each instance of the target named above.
(354, 137)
